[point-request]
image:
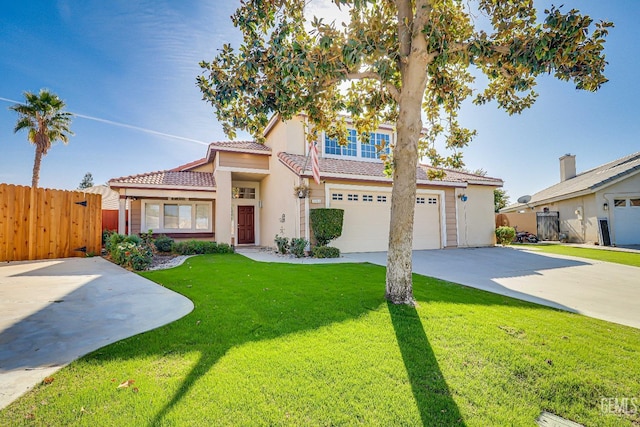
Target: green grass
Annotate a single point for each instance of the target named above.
(620, 257)
(278, 344)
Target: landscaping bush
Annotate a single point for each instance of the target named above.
(297, 247)
(505, 235)
(112, 241)
(282, 243)
(326, 224)
(198, 247)
(163, 243)
(325, 252)
(106, 234)
(129, 254)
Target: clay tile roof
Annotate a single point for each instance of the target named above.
(241, 146)
(459, 176)
(372, 170)
(169, 178)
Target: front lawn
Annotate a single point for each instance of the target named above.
(278, 344)
(620, 257)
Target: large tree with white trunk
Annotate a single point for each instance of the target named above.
(407, 62)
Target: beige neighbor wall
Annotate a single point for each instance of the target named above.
(578, 218)
(476, 217)
(277, 188)
(525, 221)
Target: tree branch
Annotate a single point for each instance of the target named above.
(395, 93)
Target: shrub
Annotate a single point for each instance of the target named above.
(129, 254)
(147, 238)
(504, 235)
(197, 247)
(113, 240)
(106, 234)
(325, 252)
(298, 246)
(326, 224)
(163, 243)
(282, 243)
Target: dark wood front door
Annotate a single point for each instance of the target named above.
(246, 229)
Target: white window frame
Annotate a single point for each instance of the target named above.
(161, 229)
(358, 156)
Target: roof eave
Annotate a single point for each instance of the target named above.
(160, 186)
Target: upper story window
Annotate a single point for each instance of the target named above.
(369, 149)
(243, 193)
(331, 145)
(355, 148)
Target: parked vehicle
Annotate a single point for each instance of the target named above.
(525, 237)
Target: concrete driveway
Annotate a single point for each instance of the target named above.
(597, 289)
(52, 312)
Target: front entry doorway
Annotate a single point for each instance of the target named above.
(246, 225)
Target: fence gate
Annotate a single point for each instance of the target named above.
(548, 225)
(42, 223)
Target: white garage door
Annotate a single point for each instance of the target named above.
(626, 220)
(366, 220)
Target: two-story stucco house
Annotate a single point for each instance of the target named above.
(242, 193)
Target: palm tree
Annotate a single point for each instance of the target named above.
(43, 117)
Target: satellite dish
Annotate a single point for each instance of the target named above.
(524, 199)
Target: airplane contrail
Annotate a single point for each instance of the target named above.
(125, 125)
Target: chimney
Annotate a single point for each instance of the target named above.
(567, 167)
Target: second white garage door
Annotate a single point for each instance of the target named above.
(366, 220)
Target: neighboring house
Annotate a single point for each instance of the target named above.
(110, 205)
(242, 193)
(596, 204)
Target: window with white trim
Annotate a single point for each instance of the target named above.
(382, 199)
(352, 197)
(367, 198)
(377, 145)
(620, 203)
(634, 202)
(369, 146)
(177, 217)
(336, 196)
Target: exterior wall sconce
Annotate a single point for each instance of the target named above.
(605, 206)
(463, 197)
(282, 218)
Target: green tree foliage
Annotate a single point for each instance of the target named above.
(326, 224)
(397, 62)
(500, 199)
(42, 117)
(87, 181)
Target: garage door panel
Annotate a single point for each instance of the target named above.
(627, 221)
(366, 223)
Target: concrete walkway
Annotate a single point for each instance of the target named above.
(52, 312)
(597, 289)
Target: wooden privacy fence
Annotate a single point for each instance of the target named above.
(43, 223)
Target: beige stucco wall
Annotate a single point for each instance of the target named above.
(476, 218)
(578, 218)
(524, 221)
(277, 200)
(207, 167)
(287, 136)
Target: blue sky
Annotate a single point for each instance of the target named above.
(135, 63)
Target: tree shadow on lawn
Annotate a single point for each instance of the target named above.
(249, 302)
(238, 301)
